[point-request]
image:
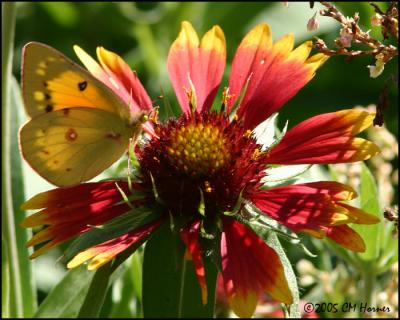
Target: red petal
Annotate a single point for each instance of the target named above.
(202, 64)
(106, 251)
(118, 76)
(306, 206)
(72, 210)
(249, 268)
(275, 73)
(134, 94)
(326, 138)
(76, 195)
(346, 237)
(190, 236)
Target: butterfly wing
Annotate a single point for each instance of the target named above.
(73, 145)
(51, 82)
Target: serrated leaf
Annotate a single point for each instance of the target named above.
(116, 227)
(283, 173)
(265, 131)
(369, 202)
(272, 240)
(67, 297)
(170, 287)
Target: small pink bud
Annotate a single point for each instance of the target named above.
(286, 4)
(376, 20)
(313, 23)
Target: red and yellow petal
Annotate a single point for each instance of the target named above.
(347, 238)
(81, 194)
(105, 252)
(117, 75)
(74, 203)
(316, 209)
(249, 268)
(69, 211)
(326, 138)
(305, 206)
(135, 94)
(197, 66)
(269, 73)
(190, 236)
(360, 216)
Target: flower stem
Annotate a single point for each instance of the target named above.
(8, 12)
(181, 291)
(368, 284)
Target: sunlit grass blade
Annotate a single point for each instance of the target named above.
(29, 295)
(21, 291)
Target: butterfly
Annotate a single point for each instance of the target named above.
(78, 126)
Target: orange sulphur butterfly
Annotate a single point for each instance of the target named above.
(78, 127)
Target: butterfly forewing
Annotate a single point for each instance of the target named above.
(51, 81)
(70, 146)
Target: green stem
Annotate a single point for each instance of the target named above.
(181, 291)
(94, 299)
(148, 47)
(8, 12)
(368, 288)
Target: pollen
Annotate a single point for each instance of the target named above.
(198, 149)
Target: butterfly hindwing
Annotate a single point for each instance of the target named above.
(73, 145)
(51, 81)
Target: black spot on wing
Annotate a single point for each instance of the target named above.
(49, 108)
(82, 85)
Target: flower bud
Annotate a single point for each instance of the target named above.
(313, 23)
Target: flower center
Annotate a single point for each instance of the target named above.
(198, 149)
(201, 160)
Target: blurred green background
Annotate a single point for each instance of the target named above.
(142, 33)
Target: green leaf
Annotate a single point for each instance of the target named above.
(5, 283)
(170, 287)
(116, 227)
(268, 229)
(21, 291)
(369, 202)
(14, 290)
(94, 299)
(272, 240)
(283, 173)
(389, 251)
(67, 297)
(26, 267)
